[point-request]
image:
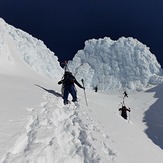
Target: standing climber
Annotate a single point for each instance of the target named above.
(125, 94)
(96, 88)
(68, 82)
(124, 110)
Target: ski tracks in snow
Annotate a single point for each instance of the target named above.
(56, 134)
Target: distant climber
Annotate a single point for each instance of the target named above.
(125, 94)
(69, 87)
(96, 88)
(124, 110)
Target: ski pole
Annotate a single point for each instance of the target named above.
(129, 118)
(84, 93)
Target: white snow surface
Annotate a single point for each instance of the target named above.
(113, 65)
(35, 126)
(31, 50)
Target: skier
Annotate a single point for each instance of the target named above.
(124, 111)
(69, 87)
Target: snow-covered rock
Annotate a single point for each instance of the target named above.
(113, 65)
(29, 49)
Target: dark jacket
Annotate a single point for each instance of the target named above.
(70, 81)
(124, 111)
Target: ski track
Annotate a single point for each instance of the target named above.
(55, 133)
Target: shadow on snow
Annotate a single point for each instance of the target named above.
(50, 91)
(154, 117)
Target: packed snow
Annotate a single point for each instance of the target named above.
(35, 126)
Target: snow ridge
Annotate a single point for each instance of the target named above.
(31, 50)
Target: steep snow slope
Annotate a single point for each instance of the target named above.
(82, 134)
(20, 54)
(17, 94)
(122, 64)
(16, 44)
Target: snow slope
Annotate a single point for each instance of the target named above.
(35, 126)
(29, 49)
(55, 133)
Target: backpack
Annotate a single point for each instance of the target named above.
(68, 78)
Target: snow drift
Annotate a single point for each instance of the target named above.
(122, 64)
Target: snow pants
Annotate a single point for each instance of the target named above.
(69, 89)
(124, 115)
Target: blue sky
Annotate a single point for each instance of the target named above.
(64, 25)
